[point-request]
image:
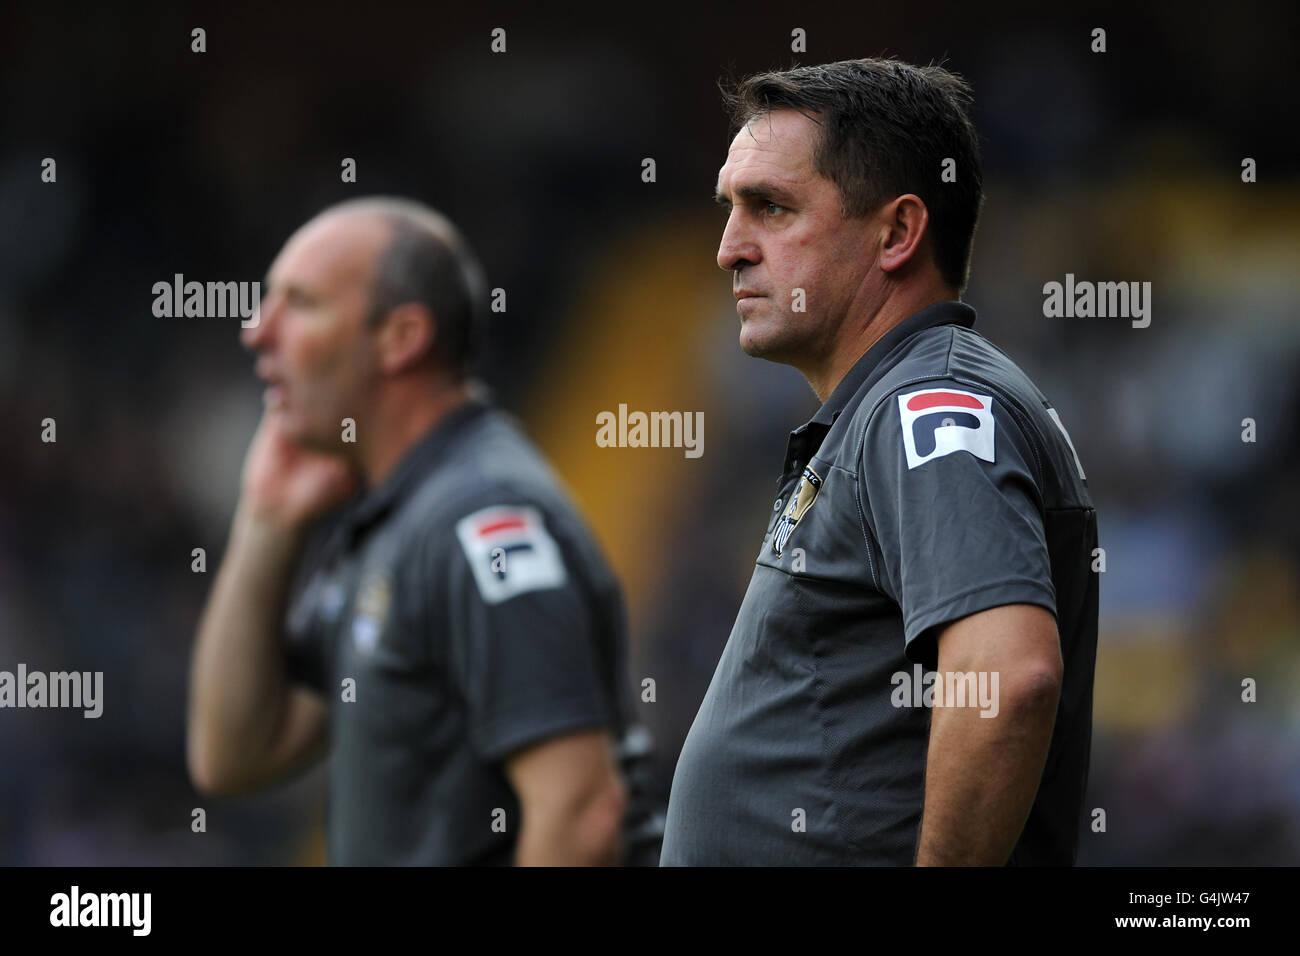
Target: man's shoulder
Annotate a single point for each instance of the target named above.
(493, 468)
(950, 387)
(953, 358)
(491, 462)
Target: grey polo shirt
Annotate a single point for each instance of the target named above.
(454, 615)
(935, 482)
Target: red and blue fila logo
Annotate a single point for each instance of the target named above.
(508, 534)
(510, 552)
(940, 421)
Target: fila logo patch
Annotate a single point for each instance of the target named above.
(510, 552)
(940, 421)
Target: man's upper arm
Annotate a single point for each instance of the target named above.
(951, 497)
(572, 799)
(300, 740)
(523, 633)
(303, 737)
(1019, 642)
(566, 773)
(304, 731)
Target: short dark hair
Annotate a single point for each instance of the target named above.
(428, 261)
(886, 128)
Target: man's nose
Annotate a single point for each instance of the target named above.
(258, 336)
(736, 248)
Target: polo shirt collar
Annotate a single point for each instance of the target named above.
(941, 313)
(415, 464)
(807, 438)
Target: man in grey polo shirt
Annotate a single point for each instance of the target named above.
(909, 678)
(407, 586)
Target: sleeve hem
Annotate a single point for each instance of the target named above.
(1014, 591)
(505, 737)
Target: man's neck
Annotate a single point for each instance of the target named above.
(401, 419)
(859, 336)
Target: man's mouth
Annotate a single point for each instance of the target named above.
(274, 396)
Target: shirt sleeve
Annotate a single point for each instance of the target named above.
(523, 632)
(947, 479)
(305, 658)
(311, 602)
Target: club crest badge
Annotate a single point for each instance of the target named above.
(373, 602)
(805, 493)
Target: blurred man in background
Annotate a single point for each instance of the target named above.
(406, 585)
(932, 516)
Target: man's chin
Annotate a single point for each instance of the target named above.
(302, 433)
(757, 345)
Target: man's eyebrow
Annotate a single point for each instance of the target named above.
(753, 191)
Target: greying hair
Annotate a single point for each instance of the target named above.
(427, 261)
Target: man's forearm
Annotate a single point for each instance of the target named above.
(237, 681)
(982, 774)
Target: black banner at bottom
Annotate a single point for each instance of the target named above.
(334, 906)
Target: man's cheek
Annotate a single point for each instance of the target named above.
(311, 362)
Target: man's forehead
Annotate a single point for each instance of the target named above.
(334, 245)
(776, 146)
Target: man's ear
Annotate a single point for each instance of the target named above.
(406, 337)
(905, 225)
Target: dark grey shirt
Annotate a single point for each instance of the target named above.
(935, 482)
(466, 609)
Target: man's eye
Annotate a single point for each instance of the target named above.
(772, 208)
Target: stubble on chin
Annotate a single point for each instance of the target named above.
(307, 434)
(773, 339)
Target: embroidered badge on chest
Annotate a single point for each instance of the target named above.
(805, 493)
(373, 601)
(333, 597)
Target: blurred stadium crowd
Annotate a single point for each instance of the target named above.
(1122, 166)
